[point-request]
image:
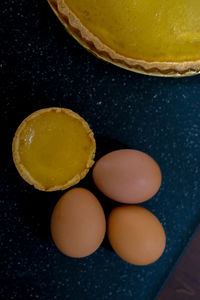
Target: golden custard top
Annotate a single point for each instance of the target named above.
(156, 30)
(53, 146)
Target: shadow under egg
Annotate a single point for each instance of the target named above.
(104, 145)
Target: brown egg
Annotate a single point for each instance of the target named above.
(127, 176)
(136, 235)
(78, 223)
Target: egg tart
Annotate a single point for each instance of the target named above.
(53, 149)
(157, 37)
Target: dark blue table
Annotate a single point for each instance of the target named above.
(42, 66)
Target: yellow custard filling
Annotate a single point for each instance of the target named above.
(54, 147)
(157, 30)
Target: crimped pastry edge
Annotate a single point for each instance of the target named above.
(95, 45)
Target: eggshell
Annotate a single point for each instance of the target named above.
(78, 223)
(127, 176)
(136, 235)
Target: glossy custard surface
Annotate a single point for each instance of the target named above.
(54, 147)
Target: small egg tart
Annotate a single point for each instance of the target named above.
(53, 149)
(157, 37)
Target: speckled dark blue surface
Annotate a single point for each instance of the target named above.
(42, 66)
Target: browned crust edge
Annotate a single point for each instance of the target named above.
(94, 45)
(25, 174)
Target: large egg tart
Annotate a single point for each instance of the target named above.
(53, 149)
(158, 37)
